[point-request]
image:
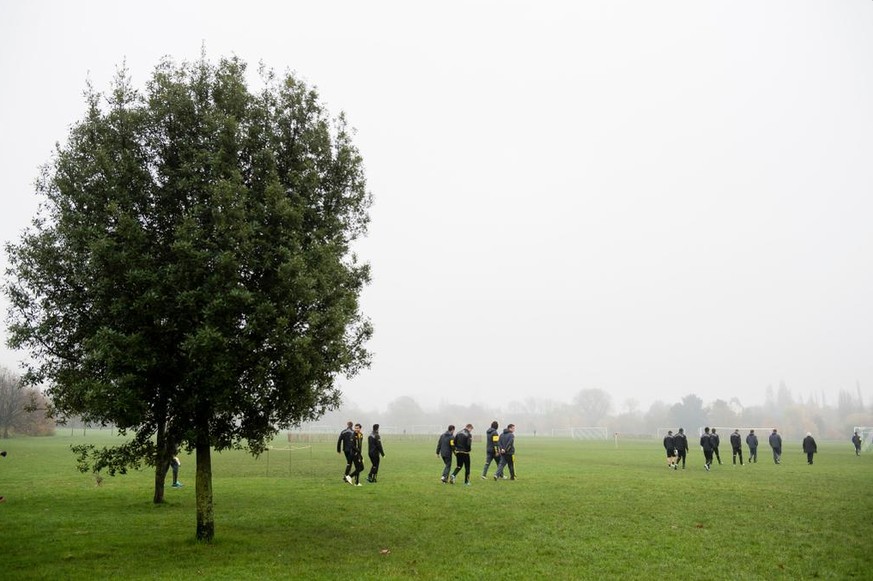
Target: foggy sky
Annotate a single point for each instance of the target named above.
(649, 198)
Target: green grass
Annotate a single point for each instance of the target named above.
(578, 511)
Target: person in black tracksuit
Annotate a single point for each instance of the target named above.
(737, 446)
(492, 452)
(344, 446)
(681, 443)
(463, 446)
(357, 456)
(716, 440)
(376, 452)
(444, 448)
(809, 447)
(706, 444)
(506, 443)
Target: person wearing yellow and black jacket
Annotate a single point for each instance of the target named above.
(444, 448)
(357, 456)
(463, 447)
(506, 443)
(492, 451)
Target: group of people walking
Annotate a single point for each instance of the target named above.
(499, 448)
(351, 443)
(676, 446)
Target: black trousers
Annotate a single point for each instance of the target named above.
(738, 452)
(374, 464)
(463, 462)
(359, 467)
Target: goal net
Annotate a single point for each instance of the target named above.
(581, 433)
(866, 433)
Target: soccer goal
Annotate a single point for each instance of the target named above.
(581, 433)
(866, 433)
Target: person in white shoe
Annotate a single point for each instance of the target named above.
(357, 456)
(344, 446)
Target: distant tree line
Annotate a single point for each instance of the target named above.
(22, 409)
(792, 415)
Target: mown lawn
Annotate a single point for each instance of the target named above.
(579, 510)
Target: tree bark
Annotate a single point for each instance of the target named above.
(203, 489)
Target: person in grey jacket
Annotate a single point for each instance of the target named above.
(506, 444)
(752, 443)
(809, 447)
(776, 444)
(444, 448)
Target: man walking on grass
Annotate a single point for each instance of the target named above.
(670, 447)
(444, 448)
(506, 444)
(776, 444)
(737, 446)
(463, 446)
(681, 443)
(344, 446)
(716, 440)
(706, 444)
(492, 451)
(357, 456)
(752, 443)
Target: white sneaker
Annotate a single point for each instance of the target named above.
(349, 479)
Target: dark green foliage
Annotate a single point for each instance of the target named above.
(189, 275)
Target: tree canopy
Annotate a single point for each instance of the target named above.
(190, 276)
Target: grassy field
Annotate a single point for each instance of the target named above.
(578, 511)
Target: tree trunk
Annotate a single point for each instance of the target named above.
(203, 489)
(162, 462)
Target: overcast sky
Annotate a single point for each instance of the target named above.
(650, 198)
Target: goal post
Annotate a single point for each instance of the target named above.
(582, 433)
(866, 433)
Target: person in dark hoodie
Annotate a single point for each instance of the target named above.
(492, 451)
(444, 448)
(716, 440)
(809, 447)
(344, 446)
(506, 445)
(463, 446)
(706, 444)
(752, 443)
(357, 456)
(681, 443)
(737, 446)
(375, 451)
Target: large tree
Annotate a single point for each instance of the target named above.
(189, 277)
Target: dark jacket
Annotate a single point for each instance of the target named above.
(344, 442)
(716, 440)
(669, 443)
(491, 438)
(445, 444)
(357, 445)
(809, 446)
(506, 442)
(736, 441)
(463, 442)
(752, 440)
(775, 441)
(374, 444)
(706, 442)
(681, 442)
